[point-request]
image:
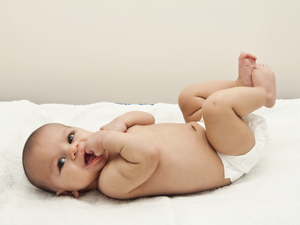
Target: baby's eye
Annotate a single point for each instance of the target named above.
(70, 138)
(61, 163)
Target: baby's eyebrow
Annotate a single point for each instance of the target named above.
(51, 164)
(65, 132)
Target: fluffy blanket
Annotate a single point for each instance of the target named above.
(269, 194)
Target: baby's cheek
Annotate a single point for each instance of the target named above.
(75, 179)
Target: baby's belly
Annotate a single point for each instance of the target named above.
(187, 164)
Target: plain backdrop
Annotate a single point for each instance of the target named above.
(81, 52)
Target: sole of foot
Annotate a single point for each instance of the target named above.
(263, 76)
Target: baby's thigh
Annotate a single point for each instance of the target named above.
(228, 133)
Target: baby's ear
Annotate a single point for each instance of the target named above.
(75, 194)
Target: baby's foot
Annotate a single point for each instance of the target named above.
(264, 77)
(247, 63)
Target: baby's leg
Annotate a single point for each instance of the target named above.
(226, 131)
(192, 98)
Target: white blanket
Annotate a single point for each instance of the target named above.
(269, 194)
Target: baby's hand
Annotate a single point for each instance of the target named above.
(116, 125)
(93, 144)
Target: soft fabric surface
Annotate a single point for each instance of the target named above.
(269, 194)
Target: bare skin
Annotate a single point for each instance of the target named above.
(264, 78)
(144, 159)
(247, 63)
(191, 98)
(187, 159)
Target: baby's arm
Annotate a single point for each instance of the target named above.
(127, 120)
(137, 161)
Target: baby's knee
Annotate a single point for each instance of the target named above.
(213, 106)
(183, 98)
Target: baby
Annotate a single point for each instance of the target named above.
(133, 157)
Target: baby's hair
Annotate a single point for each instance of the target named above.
(32, 142)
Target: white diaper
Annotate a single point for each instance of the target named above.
(237, 166)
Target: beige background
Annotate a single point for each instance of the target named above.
(80, 52)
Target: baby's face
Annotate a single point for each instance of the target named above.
(60, 158)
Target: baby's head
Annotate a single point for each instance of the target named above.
(54, 159)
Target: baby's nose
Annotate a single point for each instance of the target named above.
(73, 151)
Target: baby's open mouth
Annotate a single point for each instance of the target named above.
(89, 158)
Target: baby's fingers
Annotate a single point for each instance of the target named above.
(88, 151)
(93, 144)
